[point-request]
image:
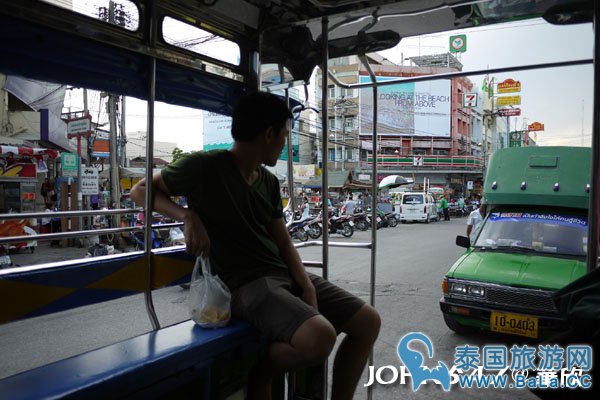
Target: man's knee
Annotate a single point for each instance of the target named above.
(314, 339)
(364, 324)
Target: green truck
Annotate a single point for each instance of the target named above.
(532, 242)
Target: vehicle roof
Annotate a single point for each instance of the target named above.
(544, 176)
(83, 51)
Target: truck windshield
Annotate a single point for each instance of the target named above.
(537, 232)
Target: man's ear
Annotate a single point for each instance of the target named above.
(270, 134)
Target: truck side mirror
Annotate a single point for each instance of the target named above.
(463, 241)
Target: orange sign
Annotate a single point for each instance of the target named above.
(509, 86)
(535, 126)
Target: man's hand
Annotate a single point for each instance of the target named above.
(309, 295)
(197, 242)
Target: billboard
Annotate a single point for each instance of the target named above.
(407, 109)
(217, 131)
(217, 135)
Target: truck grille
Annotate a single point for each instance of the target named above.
(522, 298)
(534, 300)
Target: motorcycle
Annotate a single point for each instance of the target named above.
(360, 221)
(315, 227)
(138, 236)
(390, 220)
(298, 229)
(342, 225)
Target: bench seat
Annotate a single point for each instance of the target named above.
(132, 366)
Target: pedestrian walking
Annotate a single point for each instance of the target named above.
(444, 206)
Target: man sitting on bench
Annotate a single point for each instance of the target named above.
(235, 215)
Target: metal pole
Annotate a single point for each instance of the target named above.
(79, 194)
(290, 161)
(123, 141)
(374, 201)
(148, 198)
(344, 140)
(594, 208)
(114, 161)
(451, 75)
(324, 180)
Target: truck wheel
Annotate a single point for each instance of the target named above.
(456, 327)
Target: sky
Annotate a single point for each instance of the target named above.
(554, 97)
(560, 98)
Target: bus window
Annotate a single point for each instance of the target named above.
(122, 13)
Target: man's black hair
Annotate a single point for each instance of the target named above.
(255, 113)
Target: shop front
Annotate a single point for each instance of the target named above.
(19, 168)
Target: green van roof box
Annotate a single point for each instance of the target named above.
(551, 176)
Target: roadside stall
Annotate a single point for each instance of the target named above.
(19, 167)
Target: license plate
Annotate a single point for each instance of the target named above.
(351, 223)
(306, 228)
(320, 225)
(378, 219)
(516, 324)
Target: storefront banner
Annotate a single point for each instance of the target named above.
(18, 171)
(28, 151)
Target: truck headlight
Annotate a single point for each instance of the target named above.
(458, 288)
(476, 291)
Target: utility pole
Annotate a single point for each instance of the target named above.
(123, 141)
(114, 161)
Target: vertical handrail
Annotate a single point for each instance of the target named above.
(290, 161)
(594, 206)
(324, 180)
(374, 189)
(148, 198)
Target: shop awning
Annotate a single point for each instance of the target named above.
(28, 151)
(128, 172)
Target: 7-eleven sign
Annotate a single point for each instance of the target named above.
(469, 100)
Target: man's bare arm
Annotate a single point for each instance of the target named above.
(196, 238)
(290, 256)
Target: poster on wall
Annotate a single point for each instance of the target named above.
(407, 109)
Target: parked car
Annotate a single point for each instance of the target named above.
(418, 207)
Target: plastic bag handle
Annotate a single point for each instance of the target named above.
(202, 264)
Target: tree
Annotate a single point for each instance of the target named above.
(178, 153)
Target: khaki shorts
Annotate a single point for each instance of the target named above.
(274, 306)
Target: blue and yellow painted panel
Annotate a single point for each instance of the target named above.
(35, 292)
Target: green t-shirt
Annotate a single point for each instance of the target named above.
(235, 214)
(443, 203)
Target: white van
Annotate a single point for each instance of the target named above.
(418, 207)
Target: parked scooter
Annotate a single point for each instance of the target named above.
(138, 236)
(390, 220)
(342, 225)
(298, 229)
(360, 221)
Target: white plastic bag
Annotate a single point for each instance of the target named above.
(210, 299)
